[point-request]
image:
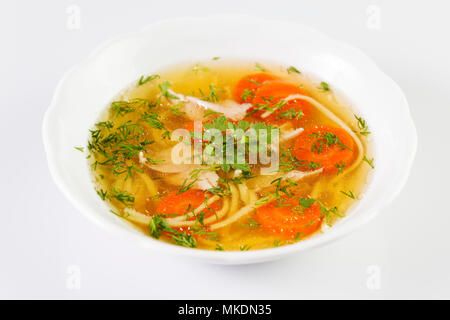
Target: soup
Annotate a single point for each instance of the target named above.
(230, 155)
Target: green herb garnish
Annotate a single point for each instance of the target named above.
(175, 108)
(102, 194)
(158, 225)
(143, 79)
(122, 196)
(246, 93)
(324, 86)
(325, 139)
(349, 194)
(244, 247)
(362, 125)
(164, 87)
(292, 69)
(252, 224)
(197, 67)
(306, 202)
(259, 67)
(369, 162)
(340, 166)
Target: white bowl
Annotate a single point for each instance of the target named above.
(87, 88)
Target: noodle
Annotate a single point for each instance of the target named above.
(197, 210)
(234, 198)
(243, 191)
(141, 218)
(291, 134)
(136, 216)
(216, 217)
(241, 213)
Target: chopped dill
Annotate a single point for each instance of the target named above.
(102, 194)
(349, 194)
(324, 86)
(210, 112)
(213, 95)
(175, 109)
(362, 126)
(153, 119)
(310, 223)
(292, 69)
(121, 108)
(105, 124)
(306, 202)
(143, 79)
(298, 236)
(369, 162)
(244, 247)
(259, 67)
(253, 81)
(291, 114)
(326, 139)
(182, 238)
(197, 67)
(164, 87)
(340, 167)
(262, 201)
(246, 93)
(122, 196)
(118, 214)
(252, 224)
(327, 213)
(276, 243)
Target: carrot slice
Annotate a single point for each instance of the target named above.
(287, 222)
(330, 147)
(269, 95)
(186, 202)
(246, 87)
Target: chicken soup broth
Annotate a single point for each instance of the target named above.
(158, 161)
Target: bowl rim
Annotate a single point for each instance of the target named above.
(224, 257)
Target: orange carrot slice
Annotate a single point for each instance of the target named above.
(246, 87)
(330, 147)
(186, 202)
(289, 222)
(268, 97)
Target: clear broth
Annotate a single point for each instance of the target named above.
(187, 79)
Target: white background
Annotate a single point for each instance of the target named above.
(406, 248)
